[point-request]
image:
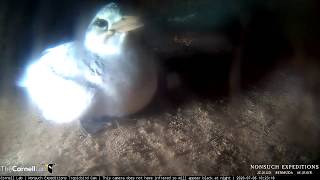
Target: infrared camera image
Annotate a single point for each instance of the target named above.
(159, 88)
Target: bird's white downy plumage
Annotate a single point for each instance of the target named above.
(102, 80)
(99, 39)
(59, 98)
(95, 43)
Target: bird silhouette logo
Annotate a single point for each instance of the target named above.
(50, 167)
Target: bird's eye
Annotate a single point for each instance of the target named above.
(101, 23)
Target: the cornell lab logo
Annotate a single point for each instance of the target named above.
(50, 167)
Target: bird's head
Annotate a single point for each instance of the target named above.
(108, 29)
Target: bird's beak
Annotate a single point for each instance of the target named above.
(126, 24)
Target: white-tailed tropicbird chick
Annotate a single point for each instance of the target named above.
(102, 76)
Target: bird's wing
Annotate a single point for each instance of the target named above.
(62, 60)
(49, 83)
